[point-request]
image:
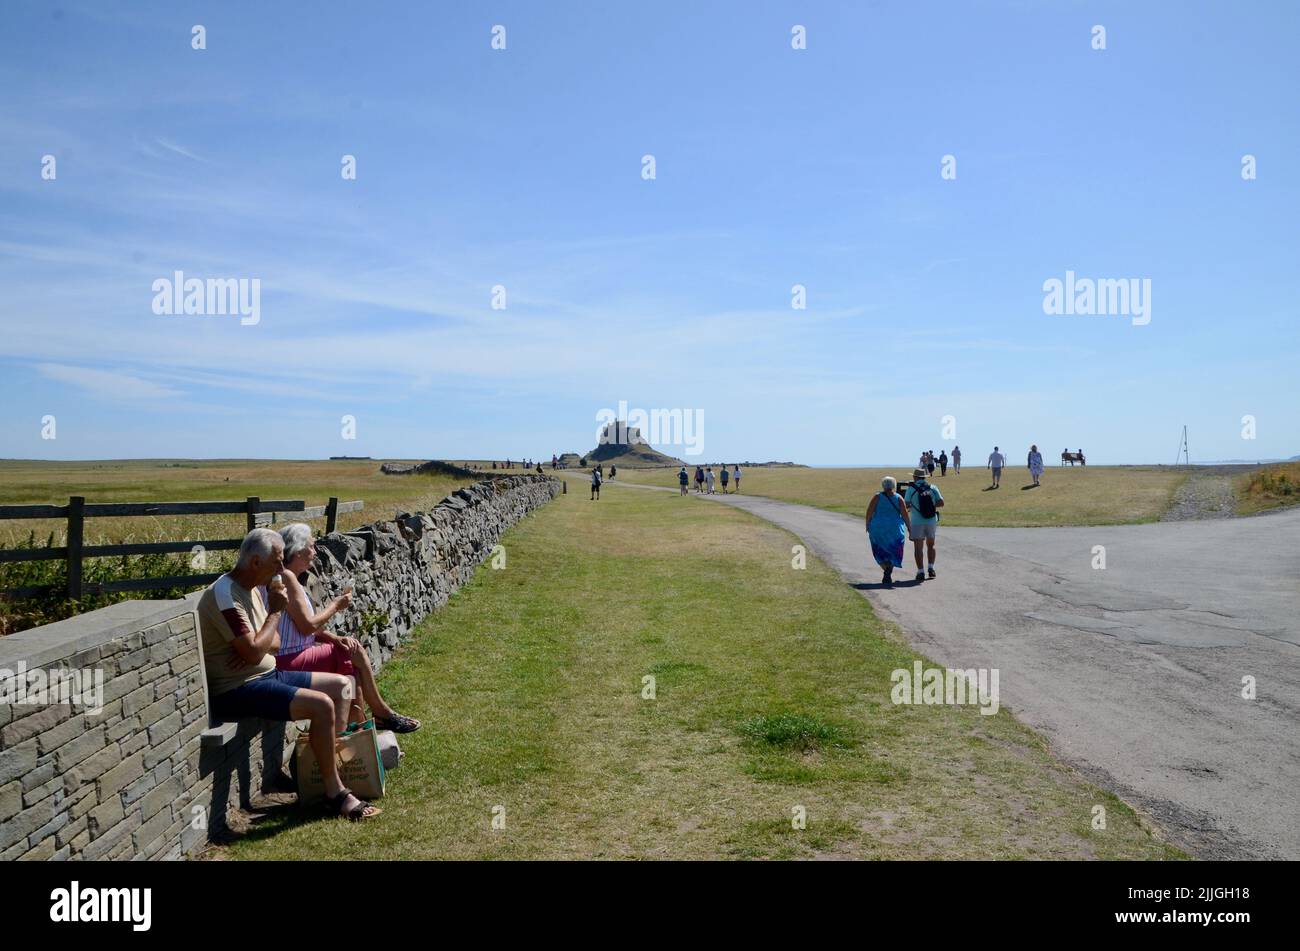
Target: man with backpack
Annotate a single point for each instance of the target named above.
(596, 479)
(924, 500)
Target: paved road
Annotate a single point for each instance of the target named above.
(1134, 672)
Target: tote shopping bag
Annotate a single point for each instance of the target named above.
(360, 767)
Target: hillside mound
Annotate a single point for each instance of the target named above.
(433, 467)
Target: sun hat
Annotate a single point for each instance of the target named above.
(919, 473)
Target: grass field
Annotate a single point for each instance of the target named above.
(204, 480)
(772, 690)
(176, 481)
(1092, 495)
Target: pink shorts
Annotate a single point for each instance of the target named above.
(321, 658)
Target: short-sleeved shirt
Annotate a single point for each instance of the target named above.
(227, 611)
(996, 459)
(910, 499)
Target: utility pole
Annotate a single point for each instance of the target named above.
(1182, 449)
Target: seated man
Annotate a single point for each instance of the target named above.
(240, 638)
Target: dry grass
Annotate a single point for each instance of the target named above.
(204, 480)
(174, 481)
(1095, 495)
(1270, 488)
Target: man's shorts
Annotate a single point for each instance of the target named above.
(267, 697)
(924, 530)
(997, 473)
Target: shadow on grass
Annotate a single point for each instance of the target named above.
(268, 819)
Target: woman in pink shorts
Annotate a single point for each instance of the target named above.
(319, 650)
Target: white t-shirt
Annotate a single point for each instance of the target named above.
(996, 459)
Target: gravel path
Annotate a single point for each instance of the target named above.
(1206, 494)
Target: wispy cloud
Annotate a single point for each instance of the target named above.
(106, 384)
(148, 148)
(178, 149)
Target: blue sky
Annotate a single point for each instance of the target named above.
(522, 167)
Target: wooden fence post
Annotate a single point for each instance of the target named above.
(331, 514)
(254, 506)
(76, 536)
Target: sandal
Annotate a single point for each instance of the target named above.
(397, 723)
(362, 810)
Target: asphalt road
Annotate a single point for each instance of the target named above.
(1134, 672)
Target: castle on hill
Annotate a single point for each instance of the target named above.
(619, 433)
(623, 445)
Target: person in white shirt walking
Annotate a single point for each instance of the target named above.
(996, 462)
(708, 480)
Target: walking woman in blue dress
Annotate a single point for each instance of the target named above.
(888, 524)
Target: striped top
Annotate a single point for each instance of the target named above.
(292, 640)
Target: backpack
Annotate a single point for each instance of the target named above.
(924, 499)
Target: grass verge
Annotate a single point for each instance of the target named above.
(649, 678)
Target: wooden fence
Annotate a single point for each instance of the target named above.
(260, 514)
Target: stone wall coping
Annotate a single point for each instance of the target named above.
(49, 643)
(217, 736)
(221, 734)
